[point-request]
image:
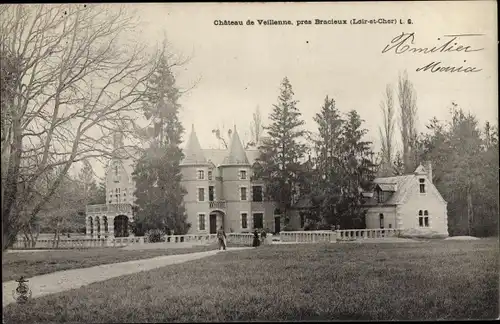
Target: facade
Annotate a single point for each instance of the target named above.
(220, 190)
(408, 202)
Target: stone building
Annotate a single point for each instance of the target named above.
(221, 191)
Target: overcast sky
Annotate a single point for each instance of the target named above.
(241, 67)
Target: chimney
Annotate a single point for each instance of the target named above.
(428, 168)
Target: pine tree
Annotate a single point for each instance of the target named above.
(357, 174)
(328, 146)
(282, 152)
(159, 194)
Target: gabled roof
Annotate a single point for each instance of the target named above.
(400, 186)
(237, 155)
(193, 153)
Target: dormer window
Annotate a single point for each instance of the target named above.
(422, 185)
(201, 175)
(243, 174)
(209, 175)
(380, 196)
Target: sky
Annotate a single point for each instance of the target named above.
(237, 68)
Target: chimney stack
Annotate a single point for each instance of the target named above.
(428, 168)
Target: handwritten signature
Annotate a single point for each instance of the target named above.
(404, 43)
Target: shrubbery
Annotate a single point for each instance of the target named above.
(155, 235)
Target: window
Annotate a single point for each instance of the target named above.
(201, 175)
(423, 218)
(201, 194)
(244, 220)
(422, 185)
(258, 220)
(209, 175)
(243, 193)
(390, 225)
(381, 219)
(201, 222)
(380, 196)
(211, 193)
(257, 193)
(243, 174)
(302, 219)
(116, 170)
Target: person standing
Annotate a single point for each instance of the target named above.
(256, 241)
(221, 235)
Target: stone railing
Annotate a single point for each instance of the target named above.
(201, 238)
(338, 235)
(359, 234)
(240, 238)
(63, 244)
(308, 236)
(91, 209)
(217, 204)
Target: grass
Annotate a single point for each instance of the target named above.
(411, 281)
(31, 264)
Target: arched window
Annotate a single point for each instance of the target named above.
(381, 219)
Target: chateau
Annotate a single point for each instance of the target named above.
(220, 189)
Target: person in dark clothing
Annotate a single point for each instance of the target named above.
(221, 235)
(256, 241)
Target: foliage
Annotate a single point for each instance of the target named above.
(159, 194)
(386, 133)
(53, 112)
(408, 119)
(465, 171)
(281, 153)
(155, 235)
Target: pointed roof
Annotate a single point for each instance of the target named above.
(193, 152)
(237, 155)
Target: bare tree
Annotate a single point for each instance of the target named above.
(256, 129)
(408, 118)
(219, 134)
(73, 80)
(387, 131)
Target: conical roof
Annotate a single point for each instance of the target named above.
(237, 155)
(193, 153)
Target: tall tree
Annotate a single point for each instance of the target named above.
(386, 132)
(358, 172)
(256, 129)
(282, 152)
(465, 172)
(87, 182)
(328, 146)
(57, 114)
(408, 118)
(158, 175)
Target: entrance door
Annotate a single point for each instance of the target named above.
(277, 224)
(213, 223)
(258, 220)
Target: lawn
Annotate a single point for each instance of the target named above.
(406, 281)
(30, 264)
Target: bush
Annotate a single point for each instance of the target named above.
(155, 236)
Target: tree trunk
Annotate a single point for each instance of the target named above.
(470, 212)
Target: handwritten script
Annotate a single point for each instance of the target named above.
(405, 43)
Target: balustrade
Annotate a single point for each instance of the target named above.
(217, 204)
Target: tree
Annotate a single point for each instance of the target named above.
(87, 183)
(219, 134)
(328, 146)
(158, 175)
(386, 133)
(282, 152)
(256, 129)
(465, 171)
(357, 174)
(73, 80)
(408, 117)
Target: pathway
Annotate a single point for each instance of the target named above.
(75, 278)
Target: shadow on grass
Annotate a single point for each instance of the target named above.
(423, 281)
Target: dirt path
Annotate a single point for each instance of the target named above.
(75, 278)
